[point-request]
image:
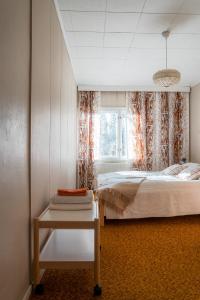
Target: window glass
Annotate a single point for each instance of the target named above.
(108, 134)
(123, 137)
(112, 130)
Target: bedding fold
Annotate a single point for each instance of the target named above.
(119, 195)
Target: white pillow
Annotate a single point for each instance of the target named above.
(173, 170)
(190, 173)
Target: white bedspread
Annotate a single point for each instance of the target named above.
(114, 177)
(157, 196)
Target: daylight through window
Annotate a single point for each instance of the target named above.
(112, 128)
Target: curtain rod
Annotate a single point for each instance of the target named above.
(105, 88)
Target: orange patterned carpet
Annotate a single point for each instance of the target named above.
(151, 259)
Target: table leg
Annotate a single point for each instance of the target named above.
(97, 288)
(36, 253)
(101, 212)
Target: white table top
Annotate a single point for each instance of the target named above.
(71, 216)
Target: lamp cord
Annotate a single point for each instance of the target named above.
(166, 51)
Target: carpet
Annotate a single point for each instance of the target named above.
(148, 259)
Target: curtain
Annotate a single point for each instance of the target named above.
(160, 132)
(88, 106)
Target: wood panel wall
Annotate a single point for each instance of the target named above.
(53, 109)
(14, 148)
(42, 101)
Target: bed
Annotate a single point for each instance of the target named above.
(158, 195)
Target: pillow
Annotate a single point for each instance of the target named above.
(190, 173)
(173, 170)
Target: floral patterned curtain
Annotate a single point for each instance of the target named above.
(161, 128)
(88, 105)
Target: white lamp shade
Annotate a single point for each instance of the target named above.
(166, 77)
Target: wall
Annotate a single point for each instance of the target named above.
(195, 124)
(53, 109)
(14, 141)
(48, 105)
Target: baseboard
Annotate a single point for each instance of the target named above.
(29, 290)
(28, 293)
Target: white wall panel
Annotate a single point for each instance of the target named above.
(14, 148)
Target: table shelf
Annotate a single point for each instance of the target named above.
(69, 245)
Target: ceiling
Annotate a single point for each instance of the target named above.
(119, 42)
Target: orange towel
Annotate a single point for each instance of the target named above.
(72, 192)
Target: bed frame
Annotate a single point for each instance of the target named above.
(101, 212)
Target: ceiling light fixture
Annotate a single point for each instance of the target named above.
(166, 77)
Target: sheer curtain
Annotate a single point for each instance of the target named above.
(88, 107)
(160, 132)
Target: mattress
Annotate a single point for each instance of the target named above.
(158, 195)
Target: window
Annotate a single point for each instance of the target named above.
(111, 135)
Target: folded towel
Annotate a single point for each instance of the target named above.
(73, 199)
(85, 206)
(72, 192)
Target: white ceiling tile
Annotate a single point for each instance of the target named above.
(109, 71)
(190, 7)
(66, 18)
(82, 5)
(150, 56)
(118, 39)
(125, 5)
(184, 41)
(162, 6)
(115, 53)
(141, 67)
(90, 39)
(178, 56)
(186, 24)
(139, 73)
(85, 21)
(107, 59)
(187, 62)
(148, 41)
(154, 23)
(121, 22)
(86, 52)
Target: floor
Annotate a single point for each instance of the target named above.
(149, 259)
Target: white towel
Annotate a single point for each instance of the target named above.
(73, 199)
(83, 206)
